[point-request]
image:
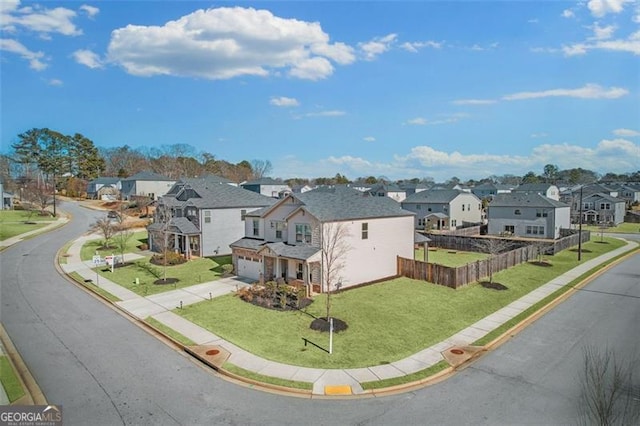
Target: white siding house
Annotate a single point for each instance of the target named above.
(527, 215)
(440, 209)
(146, 184)
(285, 241)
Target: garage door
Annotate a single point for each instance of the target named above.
(249, 268)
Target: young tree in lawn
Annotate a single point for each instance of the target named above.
(161, 240)
(541, 248)
(602, 228)
(334, 247)
(106, 228)
(121, 239)
(493, 247)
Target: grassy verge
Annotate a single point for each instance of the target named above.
(62, 259)
(494, 334)
(623, 228)
(170, 332)
(193, 272)
(90, 285)
(409, 378)
(10, 381)
(266, 379)
(11, 230)
(92, 246)
(386, 321)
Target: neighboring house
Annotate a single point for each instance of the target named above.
(444, 209)
(7, 198)
(203, 216)
(266, 186)
(147, 184)
(388, 190)
(546, 189)
(411, 188)
(104, 188)
(489, 190)
(301, 189)
(599, 208)
(529, 215)
(629, 192)
(285, 241)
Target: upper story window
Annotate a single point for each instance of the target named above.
(542, 213)
(365, 231)
(256, 227)
(207, 216)
(280, 226)
(243, 213)
(418, 207)
(517, 212)
(303, 233)
(463, 207)
(605, 206)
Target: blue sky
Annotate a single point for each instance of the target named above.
(396, 89)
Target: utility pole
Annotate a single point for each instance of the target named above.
(580, 228)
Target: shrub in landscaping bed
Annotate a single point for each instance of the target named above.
(172, 259)
(272, 295)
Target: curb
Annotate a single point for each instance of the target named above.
(33, 394)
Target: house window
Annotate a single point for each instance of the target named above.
(365, 231)
(453, 223)
(429, 209)
(207, 216)
(463, 207)
(299, 273)
(243, 213)
(510, 229)
(468, 207)
(605, 206)
(279, 229)
(517, 212)
(256, 227)
(420, 223)
(418, 207)
(303, 233)
(380, 194)
(535, 230)
(541, 213)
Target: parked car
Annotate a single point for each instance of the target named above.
(113, 214)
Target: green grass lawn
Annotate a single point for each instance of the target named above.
(387, 321)
(23, 215)
(10, 381)
(623, 228)
(451, 258)
(10, 230)
(193, 272)
(91, 247)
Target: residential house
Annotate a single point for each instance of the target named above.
(546, 189)
(599, 208)
(411, 188)
(489, 190)
(147, 184)
(104, 188)
(287, 240)
(390, 190)
(444, 209)
(524, 214)
(7, 198)
(266, 186)
(629, 192)
(203, 216)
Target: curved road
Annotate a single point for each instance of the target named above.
(104, 370)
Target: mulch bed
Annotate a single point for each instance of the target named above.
(493, 286)
(163, 281)
(321, 324)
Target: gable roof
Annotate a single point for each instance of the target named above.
(207, 194)
(602, 195)
(543, 187)
(435, 196)
(179, 225)
(343, 204)
(147, 175)
(525, 199)
(263, 181)
(105, 180)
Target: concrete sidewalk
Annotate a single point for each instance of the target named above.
(159, 307)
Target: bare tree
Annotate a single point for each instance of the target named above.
(39, 194)
(541, 247)
(106, 228)
(608, 393)
(493, 247)
(160, 234)
(121, 239)
(261, 168)
(334, 247)
(602, 228)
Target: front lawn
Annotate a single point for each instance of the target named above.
(387, 321)
(623, 228)
(10, 381)
(91, 247)
(22, 216)
(451, 258)
(193, 272)
(10, 230)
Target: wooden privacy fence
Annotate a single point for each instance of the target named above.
(463, 275)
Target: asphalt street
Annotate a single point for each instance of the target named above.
(105, 370)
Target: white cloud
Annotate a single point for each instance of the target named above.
(474, 102)
(539, 135)
(417, 45)
(327, 113)
(371, 49)
(599, 8)
(37, 19)
(283, 101)
(88, 58)
(589, 91)
(618, 156)
(626, 133)
(228, 42)
(369, 139)
(91, 11)
(418, 121)
(35, 58)
(602, 33)
(55, 82)
(568, 13)
(575, 49)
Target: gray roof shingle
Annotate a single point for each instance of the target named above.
(435, 196)
(207, 194)
(525, 199)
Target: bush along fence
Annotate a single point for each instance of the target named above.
(476, 271)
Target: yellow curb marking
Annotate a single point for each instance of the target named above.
(337, 390)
